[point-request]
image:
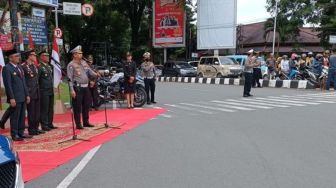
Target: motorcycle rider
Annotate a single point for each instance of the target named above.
(293, 65)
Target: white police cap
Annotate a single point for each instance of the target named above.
(78, 49)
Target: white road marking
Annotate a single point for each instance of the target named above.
(242, 104)
(234, 107)
(288, 100)
(251, 101)
(166, 115)
(188, 108)
(81, 165)
(208, 107)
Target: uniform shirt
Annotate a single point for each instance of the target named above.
(46, 79)
(79, 73)
(249, 64)
(148, 70)
(32, 80)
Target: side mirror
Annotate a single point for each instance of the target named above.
(216, 63)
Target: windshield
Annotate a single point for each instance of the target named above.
(227, 61)
(183, 65)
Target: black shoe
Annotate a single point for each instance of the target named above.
(46, 129)
(40, 132)
(245, 95)
(79, 127)
(249, 95)
(148, 103)
(96, 109)
(153, 102)
(17, 138)
(88, 125)
(25, 136)
(52, 127)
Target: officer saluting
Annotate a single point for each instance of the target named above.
(79, 73)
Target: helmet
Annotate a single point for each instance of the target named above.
(310, 53)
(146, 55)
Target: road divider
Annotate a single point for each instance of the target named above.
(292, 84)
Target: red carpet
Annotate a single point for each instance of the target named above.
(35, 164)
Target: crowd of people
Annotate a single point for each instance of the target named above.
(29, 86)
(288, 67)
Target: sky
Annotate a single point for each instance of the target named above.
(250, 11)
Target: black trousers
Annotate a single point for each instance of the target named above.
(33, 109)
(81, 105)
(47, 110)
(256, 76)
(248, 83)
(94, 96)
(6, 115)
(17, 119)
(150, 86)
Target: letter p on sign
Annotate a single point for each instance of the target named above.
(87, 9)
(58, 33)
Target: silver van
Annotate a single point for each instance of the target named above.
(218, 66)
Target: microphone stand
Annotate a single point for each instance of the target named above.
(74, 135)
(106, 125)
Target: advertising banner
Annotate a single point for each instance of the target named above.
(168, 24)
(5, 33)
(38, 28)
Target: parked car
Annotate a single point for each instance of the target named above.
(10, 167)
(218, 66)
(158, 70)
(193, 64)
(178, 68)
(241, 59)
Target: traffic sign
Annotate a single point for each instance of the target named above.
(332, 39)
(58, 33)
(87, 9)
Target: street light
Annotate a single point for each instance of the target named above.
(275, 23)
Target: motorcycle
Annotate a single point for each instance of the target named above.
(306, 73)
(112, 89)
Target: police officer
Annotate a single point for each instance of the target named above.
(79, 73)
(46, 84)
(32, 81)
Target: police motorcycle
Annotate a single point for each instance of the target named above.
(111, 88)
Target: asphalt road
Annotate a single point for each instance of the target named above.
(212, 137)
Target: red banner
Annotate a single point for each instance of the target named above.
(169, 23)
(6, 42)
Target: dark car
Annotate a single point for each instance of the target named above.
(10, 168)
(178, 68)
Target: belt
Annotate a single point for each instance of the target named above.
(82, 85)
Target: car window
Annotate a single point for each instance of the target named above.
(183, 65)
(215, 61)
(209, 61)
(202, 62)
(227, 61)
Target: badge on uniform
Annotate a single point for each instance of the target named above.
(31, 75)
(14, 73)
(46, 75)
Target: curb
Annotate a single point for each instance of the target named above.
(292, 84)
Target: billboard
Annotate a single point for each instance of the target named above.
(52, 3)
(168, 23)
(216, 24)
(38, 28)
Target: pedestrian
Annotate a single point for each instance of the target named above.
(332, 70)
(32, 81)
(257, 71)
(248, 73)
(17, 94)
(148, 71)
(271, 64)
(284, 65)
(79, 73)
(129, 68)
(46, 86)
(326, 55)
(93, 85)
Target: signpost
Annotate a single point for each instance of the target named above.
(38, 28)
(38, 12)
(72, 8)
(58, 33)
(87, 9)
(332, 39)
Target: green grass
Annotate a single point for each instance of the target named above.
(63, 87)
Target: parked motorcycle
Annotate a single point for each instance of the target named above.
(306, 73)
(112, 88)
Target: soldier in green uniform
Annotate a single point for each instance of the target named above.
(79, 73)
(46, 84)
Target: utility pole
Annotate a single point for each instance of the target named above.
(14, 23)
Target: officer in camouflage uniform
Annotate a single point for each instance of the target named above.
(46, 84)
(79, 74)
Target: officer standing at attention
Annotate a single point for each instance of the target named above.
(46, 83)
(17, 94)
(32, 81)
(79, 73)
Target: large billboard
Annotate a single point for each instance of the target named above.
(168, 24)
(216, 24)
(52, 3)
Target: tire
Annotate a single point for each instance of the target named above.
(200, 75)
(219, 75)
(140, 97)
(266, 77)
